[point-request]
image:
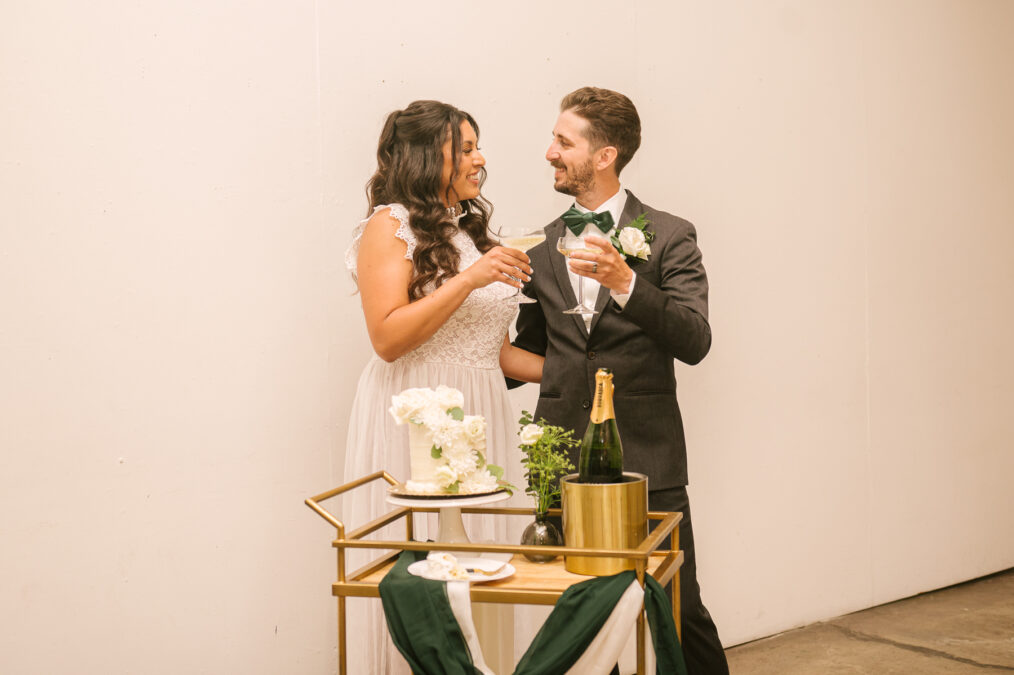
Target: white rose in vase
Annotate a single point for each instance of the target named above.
(530, 433)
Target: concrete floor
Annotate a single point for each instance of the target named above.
(967, 628)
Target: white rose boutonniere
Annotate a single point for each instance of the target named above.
(633, 239)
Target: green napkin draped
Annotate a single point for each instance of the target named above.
(668, 653)
(573, 624)
(421, 622)
(426, 632)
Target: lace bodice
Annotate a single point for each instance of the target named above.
(473, 335)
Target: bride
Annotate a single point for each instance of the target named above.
(437, 293)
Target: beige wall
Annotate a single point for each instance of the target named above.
(179, 344)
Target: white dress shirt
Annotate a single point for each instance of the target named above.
(614, 205)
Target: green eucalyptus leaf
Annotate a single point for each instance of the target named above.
(456, 413)
(435, 452)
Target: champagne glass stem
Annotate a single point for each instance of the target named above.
(564, 246)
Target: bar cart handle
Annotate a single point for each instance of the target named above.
(312, 502)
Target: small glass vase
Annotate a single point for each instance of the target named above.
(542, 532)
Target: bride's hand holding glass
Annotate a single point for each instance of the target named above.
(500, 263)
(521, 240)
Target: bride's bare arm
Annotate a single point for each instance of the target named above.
(518, 364)
(396, 325)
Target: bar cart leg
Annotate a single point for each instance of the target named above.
(675, 545)
(342, 660)
(640, 643)
(640, 570)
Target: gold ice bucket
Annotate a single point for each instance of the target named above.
(604, 515)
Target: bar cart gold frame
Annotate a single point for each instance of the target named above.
(533, 583)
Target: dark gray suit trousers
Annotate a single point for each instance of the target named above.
(702, 648)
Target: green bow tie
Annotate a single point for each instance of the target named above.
(576, 221)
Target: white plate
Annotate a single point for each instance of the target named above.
(420, 568)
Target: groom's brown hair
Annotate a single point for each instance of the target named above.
(612, 120)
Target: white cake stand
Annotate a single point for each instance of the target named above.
(450, 528)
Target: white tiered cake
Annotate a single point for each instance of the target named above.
(446, 446)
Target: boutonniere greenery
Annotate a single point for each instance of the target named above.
(633, 239)
(545, 459)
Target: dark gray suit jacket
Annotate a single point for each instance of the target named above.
(666, 317)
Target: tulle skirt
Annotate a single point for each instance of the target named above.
(376, 443)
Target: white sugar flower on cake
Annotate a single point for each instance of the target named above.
(446, 446)
(410, 405)
(475, 431)
(479, 482)
(448, 397)
(444, 476)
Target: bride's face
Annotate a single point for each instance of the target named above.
(469, 165)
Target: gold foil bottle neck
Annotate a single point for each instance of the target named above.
(602, 408)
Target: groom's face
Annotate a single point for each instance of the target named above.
(570, 154)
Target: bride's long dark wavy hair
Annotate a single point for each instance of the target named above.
(410, 159)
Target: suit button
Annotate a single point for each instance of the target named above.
(586, 404)
(591, 356)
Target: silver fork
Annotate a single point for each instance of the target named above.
(488, 573)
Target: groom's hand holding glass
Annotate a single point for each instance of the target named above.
(605, 266)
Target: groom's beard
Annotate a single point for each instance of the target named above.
(576, 181)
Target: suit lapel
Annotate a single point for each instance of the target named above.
(554, 231)
(631, 210)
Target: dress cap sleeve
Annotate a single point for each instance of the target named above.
(404, 232)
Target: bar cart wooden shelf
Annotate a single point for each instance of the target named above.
(532, 583)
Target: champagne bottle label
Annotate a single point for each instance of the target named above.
(602, 408)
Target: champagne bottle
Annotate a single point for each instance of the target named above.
(601, 458)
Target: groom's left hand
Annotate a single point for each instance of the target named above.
(607, 267)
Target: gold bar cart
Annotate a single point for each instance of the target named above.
(532, 583)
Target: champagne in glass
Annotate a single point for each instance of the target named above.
(566, 246)
(522, 242)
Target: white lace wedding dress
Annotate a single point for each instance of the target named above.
(464, 354)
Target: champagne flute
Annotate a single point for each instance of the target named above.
(566, 246)
(522, 242)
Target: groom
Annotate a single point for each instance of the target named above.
(651, 307)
